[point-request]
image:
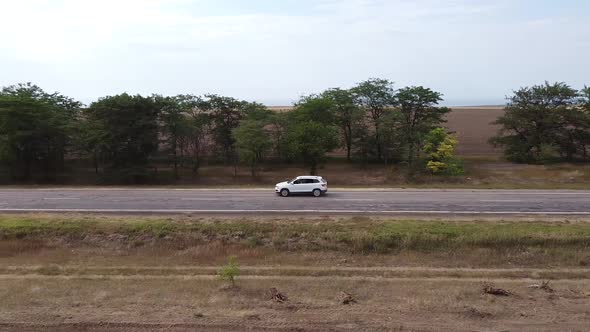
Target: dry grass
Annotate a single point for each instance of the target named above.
(313, 305)
(278, 240)
(99, 273)
(356, 234)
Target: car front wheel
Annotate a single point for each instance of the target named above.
(284, 192)
(317, 193)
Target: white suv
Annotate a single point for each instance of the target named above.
(315, 185)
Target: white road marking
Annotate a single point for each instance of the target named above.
(298, 211)
(333, 190)
(202, 199)
(60, 198)
(352, 199)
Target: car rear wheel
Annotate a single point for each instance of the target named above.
(284, 192)
(317, 193)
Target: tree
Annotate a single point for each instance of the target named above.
(278, 129)
(532, 127)
(374, 97)
(174, 126)
(310, 131)
(584, 136)
(198, 140)
(439, 148)
(226, 113)
(127, 127)
(418, 115)
(36, 129)
(252, 142)
(310, 141)
(573, 137)
(348, 116)
(315, 108)
(230, 271)
(392, 139)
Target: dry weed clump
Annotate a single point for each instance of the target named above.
(490, 289)
(277, 296)
(544, 285)
(347, 298)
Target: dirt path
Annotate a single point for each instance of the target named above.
(290, 272)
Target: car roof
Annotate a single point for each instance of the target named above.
(309, 177)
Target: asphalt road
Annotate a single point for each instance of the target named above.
(246, 201)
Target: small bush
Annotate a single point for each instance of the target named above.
(255, 241)
(230, 271)
(440, 149)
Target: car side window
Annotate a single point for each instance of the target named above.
(316, 181)
(297, 182)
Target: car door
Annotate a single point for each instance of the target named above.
(298, 186)
(310, 185)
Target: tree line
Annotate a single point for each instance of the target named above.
(127, 138)
(546, 123)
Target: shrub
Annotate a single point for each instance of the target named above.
(440, 149)
(230, 271)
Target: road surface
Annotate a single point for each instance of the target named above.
(252, 201)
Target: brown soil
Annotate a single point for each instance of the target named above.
(474, 128)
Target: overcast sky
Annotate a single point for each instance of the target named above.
(473, 51)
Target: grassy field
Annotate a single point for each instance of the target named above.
(355, 235)
(109, 273)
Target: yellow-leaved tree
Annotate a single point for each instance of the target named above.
(440, 150)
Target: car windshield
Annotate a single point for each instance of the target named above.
(295, 179)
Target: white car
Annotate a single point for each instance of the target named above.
(315, 185)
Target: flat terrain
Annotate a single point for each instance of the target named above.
(107, 273)
(473, 127)
(252, 201)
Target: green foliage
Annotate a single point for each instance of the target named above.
(127, 136)
(35, 130)
(230, 271)
(124, 130)
(311, 133)
(543, 123)
(347, 115)
(440, 150)
(175, 126)
(418, 116)
(310, 141)
(197, 143)
(374, 97)
(253, 142)
(226, 114)
(314, 108)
